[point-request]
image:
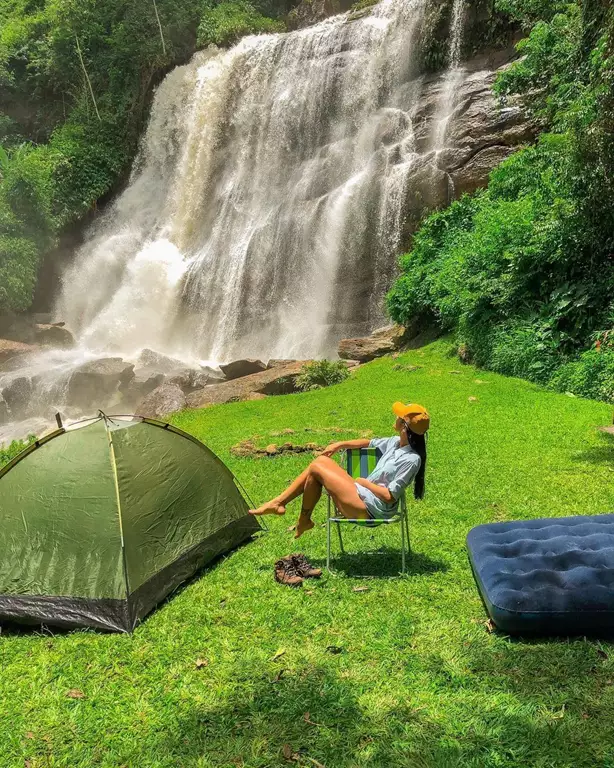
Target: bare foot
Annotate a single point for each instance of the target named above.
(303, 524)
(270, 508)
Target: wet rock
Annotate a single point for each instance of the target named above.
(206, 375)
(12, 351)
(240, 368)
(381, 342)
(43, 318)
(145, 380)
(17, 328)
(159, 362)
(165, 399)
(273, 381)
(16, 395)
(474, 173)
(183, 379)
(273, 363)
(53, 335)
(4, 412)
(309, 12)
(94, 384)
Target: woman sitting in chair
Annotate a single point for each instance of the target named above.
(403, 460)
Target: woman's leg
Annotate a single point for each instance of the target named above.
(324, 472)
(277, 506)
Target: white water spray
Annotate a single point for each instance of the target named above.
(263, 214)
(453, 78)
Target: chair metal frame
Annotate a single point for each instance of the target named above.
(401, 517)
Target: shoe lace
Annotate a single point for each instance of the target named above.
(301, 562)
(291, 567)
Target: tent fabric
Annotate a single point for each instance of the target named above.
(553, 576)
(100, 523)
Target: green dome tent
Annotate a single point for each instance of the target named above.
(101, 520)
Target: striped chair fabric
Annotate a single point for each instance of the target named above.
(360, 462)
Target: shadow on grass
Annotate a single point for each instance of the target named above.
(313, 716)
(384, 562)
(598, 454)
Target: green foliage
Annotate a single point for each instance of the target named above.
(523, 272)
(75, 80)
(549, 72)
(229, 21)
(592, 375)
(321, 373)
(19, 259)
(7, 453)
(485, 26)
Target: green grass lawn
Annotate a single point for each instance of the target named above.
(419, 681)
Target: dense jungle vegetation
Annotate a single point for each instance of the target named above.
(523, 271)
(75, 79)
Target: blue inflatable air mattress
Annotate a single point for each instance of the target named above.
(552, 576)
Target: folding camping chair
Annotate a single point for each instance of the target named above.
(360, 462)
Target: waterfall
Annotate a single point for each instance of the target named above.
(274, 187)
(453, 78)
(263, 213)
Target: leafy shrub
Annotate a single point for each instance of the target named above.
(520, 348)
(19, 259)
(229, 21)
(16, 447)
(592, 375)
(321, 373)
(66, 145)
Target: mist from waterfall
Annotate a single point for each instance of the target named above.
(263, 213)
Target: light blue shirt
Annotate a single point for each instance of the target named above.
(395, 471)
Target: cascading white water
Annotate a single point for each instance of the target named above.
(263, 214)
(453, 77)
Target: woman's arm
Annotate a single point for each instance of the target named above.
(345, 444)
(380, 491)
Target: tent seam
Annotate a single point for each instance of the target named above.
(119, 513)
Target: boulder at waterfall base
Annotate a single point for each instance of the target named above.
(381, 342)
(144, 381)
(240, 368)
(4, 412)
(16, 394)
(273, 381)
(165, 399)
(53, 335)
(275, 363)
(95, 383)
(159, 362)
(12, 351)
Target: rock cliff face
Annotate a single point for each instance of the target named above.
(479, 134)
(455, 153)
